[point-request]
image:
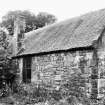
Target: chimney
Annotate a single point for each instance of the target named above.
(19, 29)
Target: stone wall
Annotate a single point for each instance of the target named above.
(101, 65)
(101, 74)
(54, 69)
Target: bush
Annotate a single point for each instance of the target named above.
(73, 91)
(5, 91)
(31, 93)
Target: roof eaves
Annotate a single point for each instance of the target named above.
(57, 51)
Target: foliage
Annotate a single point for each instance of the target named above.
(35, 94)
(8, 67)
(71, 92)
(32, 21)
(7, 74)
(5, 90)
(75, 85)
(74, 89)
(3, 50)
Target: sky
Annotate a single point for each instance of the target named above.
(62, 9)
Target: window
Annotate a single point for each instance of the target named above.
(27, 69)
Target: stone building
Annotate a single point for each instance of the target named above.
(53, 53)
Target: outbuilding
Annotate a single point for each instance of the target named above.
(53, 53)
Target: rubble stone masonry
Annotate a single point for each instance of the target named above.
(54, 69)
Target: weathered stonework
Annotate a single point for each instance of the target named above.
(101, 74)
(101, 65)
(54, 69)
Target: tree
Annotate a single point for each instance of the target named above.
(44, 19)
(32, 21)
(6, 72)
(3, 54)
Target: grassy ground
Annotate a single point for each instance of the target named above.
(15, 100)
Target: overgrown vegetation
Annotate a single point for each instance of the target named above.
(72, 92)
(32, 22)
(8, 68)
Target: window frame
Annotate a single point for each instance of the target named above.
(26, 73)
